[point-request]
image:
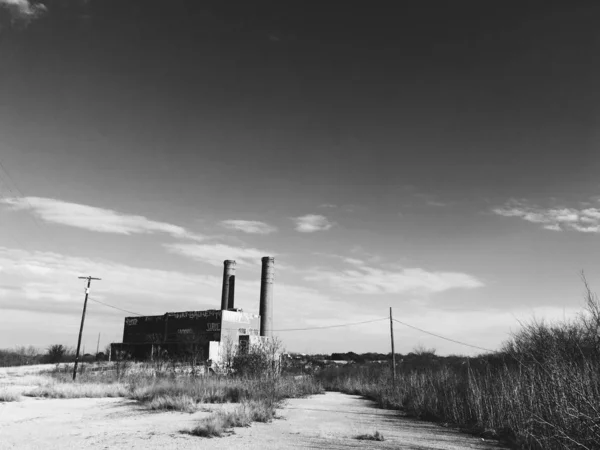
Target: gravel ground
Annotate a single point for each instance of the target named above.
(330, 421)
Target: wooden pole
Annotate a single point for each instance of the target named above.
(393, 351)
(87, 292)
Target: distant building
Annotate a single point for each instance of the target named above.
(201, 335)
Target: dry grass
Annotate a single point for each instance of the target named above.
(169, 392)
(212, 426)
(377, 436)
(542, 391)
(222, 422)
(182, 402)
(166, 390)
(79, 390)
(7, 395)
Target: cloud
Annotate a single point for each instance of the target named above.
(47, 281)
(215, 254)
(23, 11)
(327, 205)
(554, 227)
(36, 283)
(249, 226)
(43, 281)
(362, 279)
(585, 220)
(355, 261)
(95, 219)
(311, 223)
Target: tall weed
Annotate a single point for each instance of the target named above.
(541, 391)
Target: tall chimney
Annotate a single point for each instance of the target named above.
(227, 296)
(266, 296)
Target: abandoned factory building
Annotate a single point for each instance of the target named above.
(203, 335)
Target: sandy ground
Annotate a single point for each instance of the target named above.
(329, 421)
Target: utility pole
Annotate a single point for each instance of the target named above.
(98, 345)
(393, 352)
(87, 292)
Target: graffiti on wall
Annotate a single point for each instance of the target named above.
(195, 314)
(249, 331)
(153, 337)
(213, 326)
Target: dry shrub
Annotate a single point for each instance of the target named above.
(7, 395)
(221, 422)
(79, 390)
(173, 403)
(377, 436)
(212, 426)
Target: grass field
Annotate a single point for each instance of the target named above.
(541, 391)
(161, 386)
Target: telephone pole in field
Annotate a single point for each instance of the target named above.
(393, 352)
(87, 292)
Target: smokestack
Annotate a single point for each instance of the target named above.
(266, 296)
(227, 296)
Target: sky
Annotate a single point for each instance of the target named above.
(439, 158)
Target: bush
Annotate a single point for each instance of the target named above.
(59, 353)
(258, 360)
(377, 436)
(9, 396)
(20, 356)
(221, 422)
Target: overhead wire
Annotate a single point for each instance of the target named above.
(115, 307)
(333, 326)
(286, 329)
(443, 337)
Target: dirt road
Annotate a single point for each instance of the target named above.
(329, 421)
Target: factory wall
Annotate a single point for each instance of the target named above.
(180, 327)
(236, 324)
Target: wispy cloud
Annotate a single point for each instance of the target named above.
(249, 226)
(584, 220)
(47, 281)
(327, 205)
(363, 279)
(95, 219)
(355, 261)
(311, 223)
(23, 11)
(215, 254)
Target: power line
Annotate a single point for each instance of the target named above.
(287, 329)
(116, 307)
(334, 326)
(443, 337)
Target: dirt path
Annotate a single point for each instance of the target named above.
(329, 421)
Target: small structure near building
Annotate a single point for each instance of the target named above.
(201, 336)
